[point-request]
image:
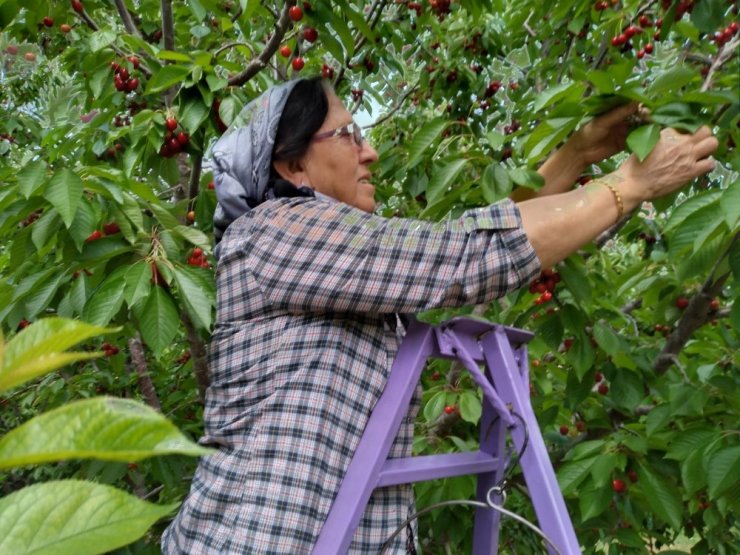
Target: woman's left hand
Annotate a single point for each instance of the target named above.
(603, 136)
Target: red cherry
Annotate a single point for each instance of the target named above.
(119, 84)
(598, 376)
(94, 236)
(618, 486)
(132, 84)
(183, 138)
(190, 216)
(297, 63)
(631, 31)
(714, 305)
(23, 324)
(327, 72)
(211, 185)
(77, 6)
(295, 13)
(174, 145)
(564, 430)
(580, 426)
(285, 51)
(49, 22)
(123, 73)
(65, 28)
(134, 61)
(310, 34)
(546, 296)
(632, 476)
(170, 124)
(603, 389)
(640, 54)
(197, 251)
(649, 48)
(682, 303)
(645, 21)
(449, 409)
(111, 228)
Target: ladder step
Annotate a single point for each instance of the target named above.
(430, 467)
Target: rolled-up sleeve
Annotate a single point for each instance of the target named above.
(311, 255)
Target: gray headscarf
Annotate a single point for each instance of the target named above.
(243, 155)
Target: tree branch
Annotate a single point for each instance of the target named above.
(261, 61)
(695, 316)
(194, 183)
(197, 355)
(128, 22)
(138, 360)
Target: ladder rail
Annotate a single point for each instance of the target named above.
(503, 350)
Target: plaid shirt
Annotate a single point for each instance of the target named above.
(301, 353)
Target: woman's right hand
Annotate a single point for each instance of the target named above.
(676, 159)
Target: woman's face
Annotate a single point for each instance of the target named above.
(336, 166)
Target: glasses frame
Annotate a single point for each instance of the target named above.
(350, 130)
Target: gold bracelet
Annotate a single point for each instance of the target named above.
(617, 198)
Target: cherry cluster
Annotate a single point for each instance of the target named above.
(198, 258)
(108, 229)
(544, 285)
(7, 137)
(416, 6)
(124, 80)
(109, 349)
(174, 140)
(32, 217)
(327, 72)
(513, 127)
(440, 8)
(726, 34)
(603, 387)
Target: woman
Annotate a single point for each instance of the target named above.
(309, 284)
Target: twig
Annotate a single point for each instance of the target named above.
(527, 27)
(723, 55)
(128, 22)
(232, 45)
(138, 359)
(261, 61)
(395, 109)
(194, 183)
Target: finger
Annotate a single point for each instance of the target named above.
(706, 147)
(702, 133)
(620, 113)
(704, 166)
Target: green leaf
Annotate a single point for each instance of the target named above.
(642, 140)
(31, 177)
(470, 407)
(198, 299)
(593, 501)
(38, 348)
(166, 77)
(606, 339)
(423, 139)
(723, 470)
(688, 207)
(73, 516)
(661, 496)
(64, 192)
(158, 320)
(137, 283)
(571, 474)
(442, 178)
(693, 473)
(672, 79)
(434, 406)
(100, 39)
(104, 428)
(553, 94)
(575, 279)
(709, 15)
(106, 301)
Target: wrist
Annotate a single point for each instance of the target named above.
(625, 190)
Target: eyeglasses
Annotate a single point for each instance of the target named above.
(351, 129)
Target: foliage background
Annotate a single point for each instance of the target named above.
(470, 96)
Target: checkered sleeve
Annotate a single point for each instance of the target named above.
(314, 255)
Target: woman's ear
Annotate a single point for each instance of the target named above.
(293, 171)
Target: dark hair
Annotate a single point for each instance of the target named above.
(303, 115)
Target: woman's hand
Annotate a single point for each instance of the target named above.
(603, 136)
(676, 159)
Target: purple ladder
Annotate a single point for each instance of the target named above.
(505, 386)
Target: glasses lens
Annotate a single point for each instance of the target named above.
(357, 134)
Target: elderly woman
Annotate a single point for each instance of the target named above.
(309, 285)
